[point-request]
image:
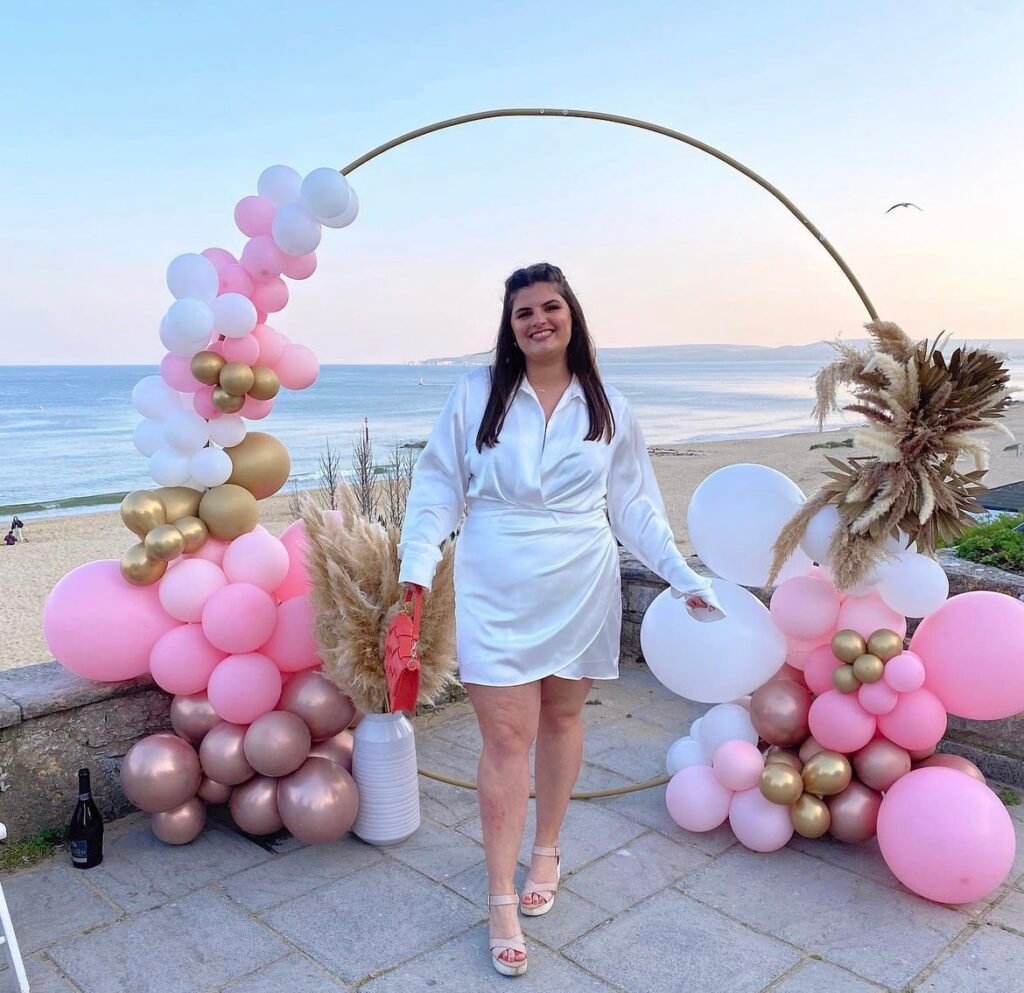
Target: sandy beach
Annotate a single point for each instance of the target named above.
(55, 545)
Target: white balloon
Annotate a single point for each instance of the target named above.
(280, 184)
(295, 229)
(326, 193)
(695, 728)
(234, 315)
(188, 401)
(726, 722)
(227, 430)
(192, 275)
(186, 431)
(347, 216)
(148, 436)
(153, 398)
(818, 537)
(211, 467)
(168, 467)
(187, 326)
(684, 753)
(712, 663)
(914, 585)
(735, 517)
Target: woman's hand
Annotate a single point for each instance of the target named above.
(703, 605)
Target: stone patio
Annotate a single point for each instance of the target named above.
(645, 907)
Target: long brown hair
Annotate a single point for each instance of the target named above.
(510, 367)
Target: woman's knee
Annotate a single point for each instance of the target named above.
(506, 737)
(560, 719)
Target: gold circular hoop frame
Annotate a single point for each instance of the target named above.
(592, 115)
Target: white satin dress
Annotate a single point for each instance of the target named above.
(537, 584)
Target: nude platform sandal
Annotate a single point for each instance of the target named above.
(499, 945)
(547, 890)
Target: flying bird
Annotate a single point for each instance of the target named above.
(895, 205)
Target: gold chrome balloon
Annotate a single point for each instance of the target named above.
(236, 378)
(781, 783)
(142, 510)
(193, 532)
(885, 644)
(206, 367)
(138, 568)
(868, 668)
(261, 464)
(845, 679)
(848, 646)
(228, 511)
(810, 816)
(225, 402)
(164, 542)
(180, 501)
(781, 756)
(827, 774)
(265, 383)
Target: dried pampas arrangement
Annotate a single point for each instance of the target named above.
(353, 566)
(924, 412)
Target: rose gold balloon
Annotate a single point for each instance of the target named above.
(809, 816)
(958, 762)
(337, 749)
(780, 755)
(319, 802)
(827, 773)
(254, 806)
(277, 743)
(854, 813)
(324, 708)
(809, 749)
(354, 723)
(920, 754)
(787, 672)
(213, 792)
(779, 711)
(222, 754)
(181, 825)
(192, 717)
(160, 772)
(880, 763)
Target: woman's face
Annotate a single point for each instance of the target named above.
(541, 321)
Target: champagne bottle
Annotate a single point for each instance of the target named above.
(86, 830)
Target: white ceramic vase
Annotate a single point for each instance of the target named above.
(384, 768)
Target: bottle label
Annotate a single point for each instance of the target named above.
(79, 851)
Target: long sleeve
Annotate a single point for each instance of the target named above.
(637, 512)
(437, 495)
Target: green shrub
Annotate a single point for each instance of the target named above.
(995, 543)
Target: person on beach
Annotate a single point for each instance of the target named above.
(551, 468)
(16, 526)
(9, 538)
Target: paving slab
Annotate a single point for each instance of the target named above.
(990, 961)
(43, 976)
(821, 977)
(444, 804)
(569, 919)
(1009, 912)
(631, 747)
(293, 974)
(437, 851)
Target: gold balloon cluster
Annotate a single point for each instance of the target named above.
(864, 661)
(233, 381)
(169, 523)
(791, 781)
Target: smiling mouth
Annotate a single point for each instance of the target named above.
(540, 335)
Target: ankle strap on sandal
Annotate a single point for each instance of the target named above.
(502, 899)
(553, 853)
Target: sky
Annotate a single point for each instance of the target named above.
(129, 131)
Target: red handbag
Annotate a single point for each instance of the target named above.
(401, 655)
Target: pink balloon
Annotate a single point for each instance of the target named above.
(220, 257)
(877, 698)
(917, 721)
(738, 765)
(793, 675)
(102, 627)
(256, 410)
(244, 687)
(868, 614)
(297, 367)
(946, 836)
(203, 403)
(176, 372)
(261, 316)
(818, 670)
(805, 608)
(258, 558)
(973, 652)
(798, 651)
(235, 279)
(696, 800)
(261, 258)
(185, 589)
(759, 824)
(182, 660)
(296, 582)
(292, 645)
(271, 344)
(838, 722)
(245, 349)
(254, 216)
(239, 618)
(299, 266)
(271, 296)
(212, 550)
(905, 673)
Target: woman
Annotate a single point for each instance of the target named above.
(551, 466)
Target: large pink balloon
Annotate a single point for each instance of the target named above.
(261, 258)
(185, 589)
(271, 344)
(297, 367)
(296, 582)
(299, 266)
(176, 372)
(235, 279)
(805, 608)
(917, 721)
(868, 614)
(239, 618)
(838, 722)
(758, 823)
(738, 764)
(183, 660)
(973, 652)
(696, 800)
(292, 645)
(102, 627)
(254, 216)
(946, 836)
(818, 670)
(245, 349)
(244, 687)
(212, 550)
(270, 296)
(258, 558)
